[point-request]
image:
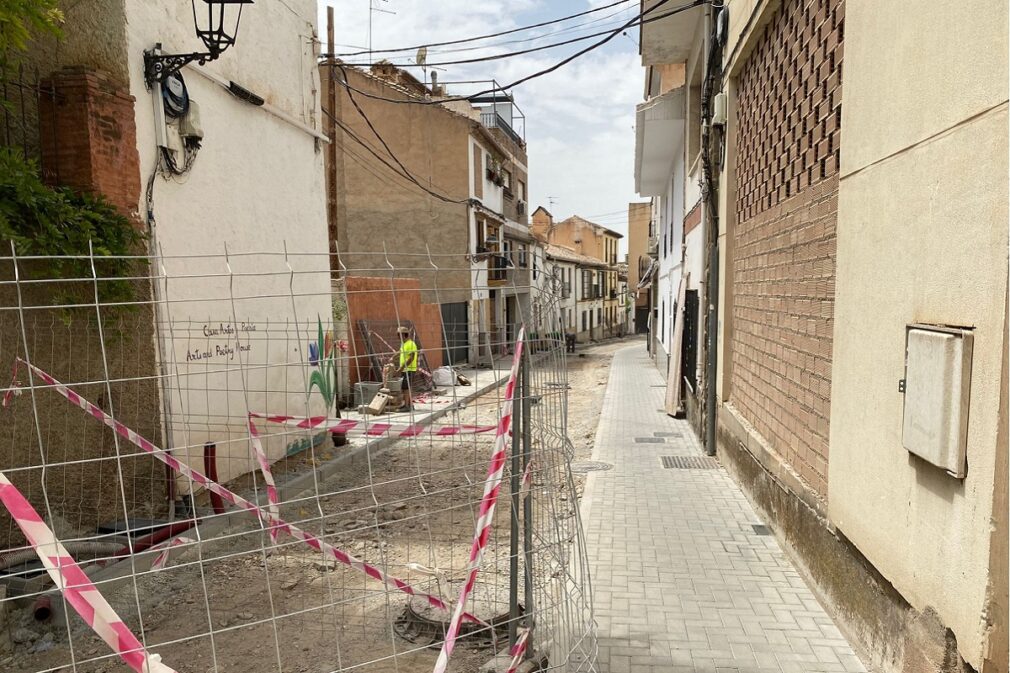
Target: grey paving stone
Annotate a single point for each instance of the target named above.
(681, 579)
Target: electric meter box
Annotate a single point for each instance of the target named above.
(937, 385)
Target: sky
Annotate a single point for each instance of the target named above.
(579, 119)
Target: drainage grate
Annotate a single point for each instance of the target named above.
(689, 463)
(761, 529)
(649, 440)
(590, 466)
(667, 434)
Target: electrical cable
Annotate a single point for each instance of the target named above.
(606, 20)
(480, 37)
(407, 175)
(496, 57)
(363, 161)
(520, 40)
(405, 170)
(375, 131)
(535, 75)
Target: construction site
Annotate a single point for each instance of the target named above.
(298, 518)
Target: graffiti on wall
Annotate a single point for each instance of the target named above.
(324, 355)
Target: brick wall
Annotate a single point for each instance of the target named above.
(783, 269)
(370, 298)
(89, 137)
(693, 218)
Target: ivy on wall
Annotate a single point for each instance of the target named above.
(60, 223)
(20, 20)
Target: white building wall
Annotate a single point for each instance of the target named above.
(257, 186)
(671, 240)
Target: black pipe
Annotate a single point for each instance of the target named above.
(713, 75)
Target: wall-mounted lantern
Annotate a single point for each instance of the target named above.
(216, 28)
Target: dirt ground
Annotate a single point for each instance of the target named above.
(588, 373)
(236, 604)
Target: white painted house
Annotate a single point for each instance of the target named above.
(659, 174)
(227, 176)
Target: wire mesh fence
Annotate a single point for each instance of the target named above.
(239, 454)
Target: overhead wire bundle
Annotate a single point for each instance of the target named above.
(641, 18)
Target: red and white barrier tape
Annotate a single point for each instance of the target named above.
(341, 426)
(347, 426)
(15, 387)
(492, 486)
(268, 476)
(161, 560)
(270, 520)
(518, 650)
(75, 586)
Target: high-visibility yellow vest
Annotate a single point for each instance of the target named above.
(408, 356)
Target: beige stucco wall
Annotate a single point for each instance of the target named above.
(257, 185)
(922, 237)
(93, 36)
(379, 211)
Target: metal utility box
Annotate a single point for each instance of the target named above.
(936, 386)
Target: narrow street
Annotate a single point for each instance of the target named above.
(350, 337)
(685, 576)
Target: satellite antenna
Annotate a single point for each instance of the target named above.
(422, 59)
(372, 8)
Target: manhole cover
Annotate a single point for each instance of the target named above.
(761, 529)
(590, 466)
(689, 463)
(649, 440)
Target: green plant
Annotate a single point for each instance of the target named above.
(59, 222)
(20, 19)
(322, 356)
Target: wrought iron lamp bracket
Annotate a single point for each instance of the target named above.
(159, 67)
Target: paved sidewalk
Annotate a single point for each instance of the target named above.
(682, 581)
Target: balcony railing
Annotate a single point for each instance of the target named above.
(493, 120)
(497, 268)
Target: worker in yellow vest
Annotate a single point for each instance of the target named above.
(408, 364)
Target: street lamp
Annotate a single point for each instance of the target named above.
(212, 32)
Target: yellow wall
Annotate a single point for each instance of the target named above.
(922, 237)
(639, 216)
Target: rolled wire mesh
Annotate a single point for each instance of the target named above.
(181, 353)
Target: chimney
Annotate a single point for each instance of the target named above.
(436, 90)
(384, 70)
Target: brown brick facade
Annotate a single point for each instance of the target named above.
(89, 137)
(790, 101)
(783, 268)
(693, 218)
